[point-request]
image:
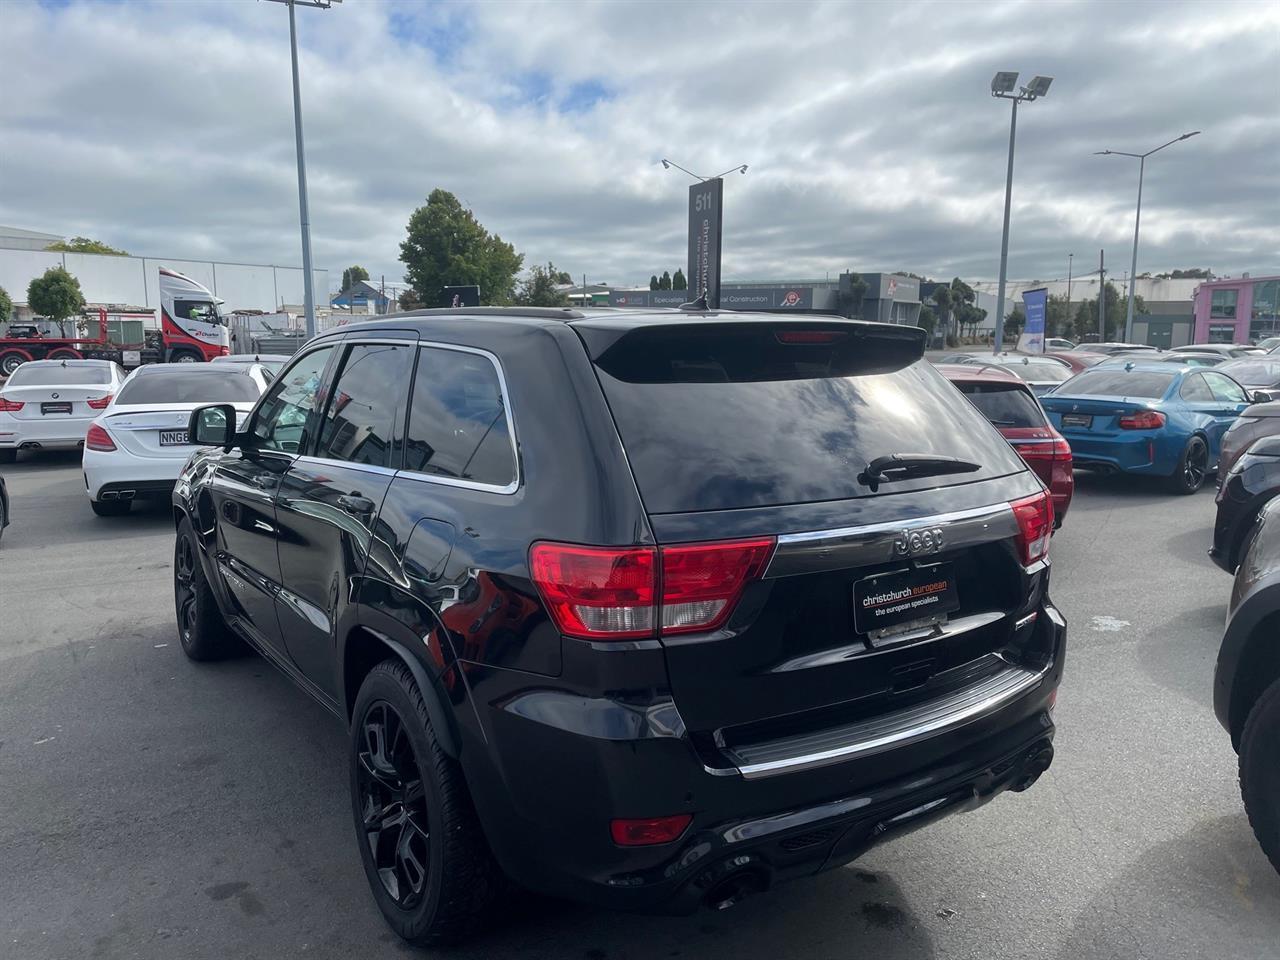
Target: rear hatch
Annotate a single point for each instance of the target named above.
(157, 431)
(750, 429)
(57, 402)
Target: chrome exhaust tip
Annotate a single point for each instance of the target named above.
(126, 494)
(107, 495)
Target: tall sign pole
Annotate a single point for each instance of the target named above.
(706, 227)
(1102, 296)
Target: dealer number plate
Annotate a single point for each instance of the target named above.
(174, 438)
(905, 598)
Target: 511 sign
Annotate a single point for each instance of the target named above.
(705, 222)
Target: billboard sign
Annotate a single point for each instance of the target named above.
(1034, 304)
(467, 295)
(705, 225)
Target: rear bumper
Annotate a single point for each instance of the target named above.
(546, 795)
(1136, 451)
(52, 432)
(105, 472)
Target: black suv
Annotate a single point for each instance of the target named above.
(647, 609)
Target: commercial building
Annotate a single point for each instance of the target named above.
(364, 297)
(1237, 311)
(134, 281)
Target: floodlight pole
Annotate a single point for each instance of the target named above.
(1137, 218)
(304, 212)
(1002, 89)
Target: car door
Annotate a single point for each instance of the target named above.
(243, 488)
(328, 502)
(1229, 401)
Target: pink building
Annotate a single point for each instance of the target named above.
(1237, 311)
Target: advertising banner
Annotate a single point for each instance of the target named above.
(705, 223)
(1034, 304)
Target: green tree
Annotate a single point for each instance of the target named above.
(850, 304)
(1057, 323)
(353, 274)
(1086, 314)
(653, 282)
(664, 281)
(928, 320)
(446, 245)
(1192, 273)
(84, 245)
(55, 294)
(562, 277)
(410, 300)
(6, 306)
(678, 282)
(1014, 322)
(538, 289)
(942, 299)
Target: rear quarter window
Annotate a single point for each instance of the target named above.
(720, 416)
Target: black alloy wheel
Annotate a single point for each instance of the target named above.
(393, 805)
(201, 630)
(1193, 467)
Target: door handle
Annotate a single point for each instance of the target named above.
(354, 503)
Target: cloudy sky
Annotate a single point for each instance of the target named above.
(166, 128)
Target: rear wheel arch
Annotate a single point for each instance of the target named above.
(364, 650)
(1257, 668)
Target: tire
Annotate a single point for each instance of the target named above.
(203, 633)
(10, 361)
(65, 353)
(111, 508)
(8, 456)
(409, 804)
(185, 356)
(1193, 468)
(1260, 771)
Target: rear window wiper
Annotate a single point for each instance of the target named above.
(907, 466)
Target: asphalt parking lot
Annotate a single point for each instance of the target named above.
(151, 807)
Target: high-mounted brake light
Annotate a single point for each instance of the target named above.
(1146, 420)
(613, 593)
(10, 406)
(98, 439)
(99, 403)
(1035, 526)
(810, 336)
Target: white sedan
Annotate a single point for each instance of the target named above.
(139, 444)
(49, 404)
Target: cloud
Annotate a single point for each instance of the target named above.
(166, 129)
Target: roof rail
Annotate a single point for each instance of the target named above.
(546, 313)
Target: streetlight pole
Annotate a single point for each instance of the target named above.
(1002, 85)
(1070, 257)
(1137, 218)
(304, 212)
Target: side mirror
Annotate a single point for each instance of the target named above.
(1262, 396)
(213, 426)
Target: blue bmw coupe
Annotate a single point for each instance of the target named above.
(1145, 417)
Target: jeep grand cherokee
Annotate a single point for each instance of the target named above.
(648, 609)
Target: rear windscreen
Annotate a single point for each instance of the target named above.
(1110, 382)
(1005, 406)
(1041, 372)
(31, 375)
(181, 386)
(721, 418)
(1253, 373)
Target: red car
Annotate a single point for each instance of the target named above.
(1077, 360)
(1007, 401)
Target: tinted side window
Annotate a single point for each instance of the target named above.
(281, 420)
(1005, 406)
(458, 419)
(1224, 388)
(366, 404)
(1195, 390)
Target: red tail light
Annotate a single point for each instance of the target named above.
(702, 582)
(613, 592)
(1056, 449)
(1146, 420)
(99, 403)
(10, 406)
(643, 833)
(606, 592)
(1035, 526)
(98, 439)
